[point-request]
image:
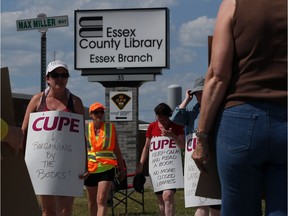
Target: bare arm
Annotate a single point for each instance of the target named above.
(144, 155)
(180, 114)
(218, 75)
(118, 153)
(219, 71)
(32, 106)
(187, 99)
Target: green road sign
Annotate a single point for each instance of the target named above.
(42, 23)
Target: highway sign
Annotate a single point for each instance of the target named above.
(43, 22)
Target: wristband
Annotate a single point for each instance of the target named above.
(201, 134)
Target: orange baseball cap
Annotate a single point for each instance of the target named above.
(95, 106)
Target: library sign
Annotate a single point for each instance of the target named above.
(122, 38)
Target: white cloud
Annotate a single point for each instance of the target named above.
(181, 55)
(195, 32)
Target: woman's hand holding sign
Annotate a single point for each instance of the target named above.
(84, 175)
(201, 153)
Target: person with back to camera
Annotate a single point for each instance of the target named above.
(55, 97)
(189, 119)
(102, 147)
(163, 126)
(246, 88)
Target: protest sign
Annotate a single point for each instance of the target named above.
(191, 177)
(55, 153)
(165, 164)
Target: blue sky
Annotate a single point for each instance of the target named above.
(191, 22)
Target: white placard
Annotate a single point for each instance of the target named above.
(165, 164)
(55, 153)
(191, 177)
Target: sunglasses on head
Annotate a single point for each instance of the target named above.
(57, 75)
(98, 112)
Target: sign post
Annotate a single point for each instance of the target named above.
(43, 53)
(42, 23)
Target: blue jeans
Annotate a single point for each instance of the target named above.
(251, 142)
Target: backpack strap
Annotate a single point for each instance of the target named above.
(70, 105)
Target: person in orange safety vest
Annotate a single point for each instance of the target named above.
(102, 147)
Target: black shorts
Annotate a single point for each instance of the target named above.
(217, 207)
(94, 178)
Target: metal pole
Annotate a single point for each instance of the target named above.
(43, 53)
(43, 61)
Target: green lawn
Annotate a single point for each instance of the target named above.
(151, 207)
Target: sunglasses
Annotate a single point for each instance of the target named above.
(98, 112)
(57, 75)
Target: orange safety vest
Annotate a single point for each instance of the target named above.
(101, 150)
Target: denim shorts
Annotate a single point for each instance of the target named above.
(251, 145)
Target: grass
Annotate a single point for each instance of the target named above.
(150, 200)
